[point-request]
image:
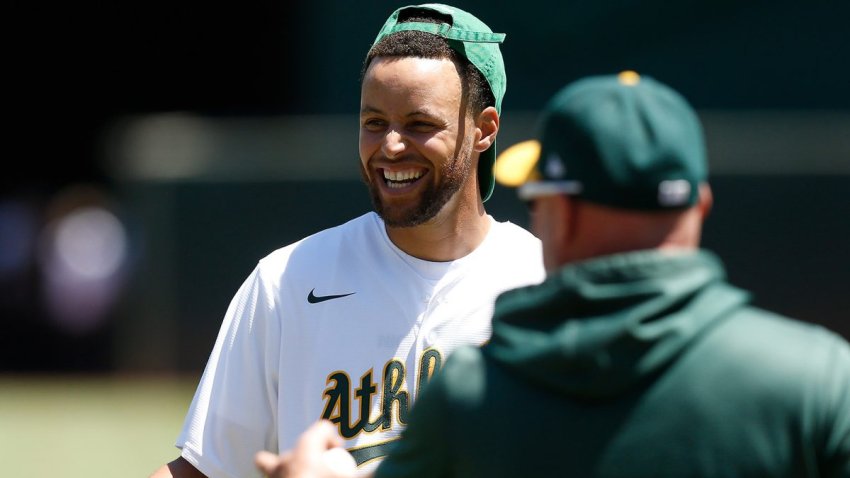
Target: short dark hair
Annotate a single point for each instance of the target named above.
(475, 89)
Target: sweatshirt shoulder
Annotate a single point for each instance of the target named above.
(771, 331)
(780, 348)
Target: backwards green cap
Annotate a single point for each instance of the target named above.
(474, 40)
(623, 141)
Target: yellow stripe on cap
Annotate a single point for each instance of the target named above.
(515, 165)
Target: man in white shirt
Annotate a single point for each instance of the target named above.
(349, 323)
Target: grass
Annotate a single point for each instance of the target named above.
(90, 426)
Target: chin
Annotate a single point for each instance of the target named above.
(394, 217)
(414, 210)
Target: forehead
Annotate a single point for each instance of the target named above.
(411, 81)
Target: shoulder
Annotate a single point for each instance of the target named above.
(775, 335)
(508, 237)
(801, 368)
(788, 353)
(508, 231)
(321, 246)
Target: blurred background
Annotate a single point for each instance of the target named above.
(158, 149)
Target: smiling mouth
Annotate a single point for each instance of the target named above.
(400, 179)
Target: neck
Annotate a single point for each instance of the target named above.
(453, 233)
(611, 231)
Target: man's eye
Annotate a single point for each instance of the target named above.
(422, 126)
(373, 124)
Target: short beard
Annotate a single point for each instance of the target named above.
(454, 175)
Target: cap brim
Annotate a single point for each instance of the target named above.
(534, 189)
(515, 166)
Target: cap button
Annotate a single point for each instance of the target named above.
(628, 78)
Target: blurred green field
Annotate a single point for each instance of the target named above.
(94, 427)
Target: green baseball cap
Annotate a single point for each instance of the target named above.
(474, 40)
(622, 141)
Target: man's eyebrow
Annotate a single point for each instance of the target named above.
(369, 109)
(420, 112)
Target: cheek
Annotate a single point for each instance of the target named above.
(441, 145)
(367, 145)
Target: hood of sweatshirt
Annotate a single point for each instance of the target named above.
(599, 328)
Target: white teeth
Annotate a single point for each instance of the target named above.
(393, 177)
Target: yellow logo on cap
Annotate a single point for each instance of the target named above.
(515, 165)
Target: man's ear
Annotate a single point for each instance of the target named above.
(706, 199)
(487, 125)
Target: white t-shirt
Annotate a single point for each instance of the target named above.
(342, 325)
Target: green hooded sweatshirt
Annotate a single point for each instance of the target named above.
(646, 364)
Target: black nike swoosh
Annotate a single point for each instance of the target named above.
(315, 299)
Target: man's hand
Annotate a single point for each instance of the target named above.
(308, 459)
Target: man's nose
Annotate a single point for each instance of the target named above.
(393, 144)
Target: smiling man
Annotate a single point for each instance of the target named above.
(350, 323)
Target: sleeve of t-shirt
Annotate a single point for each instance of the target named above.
(423, 450)
(233, 414)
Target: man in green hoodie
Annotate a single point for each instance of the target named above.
(635, 357)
